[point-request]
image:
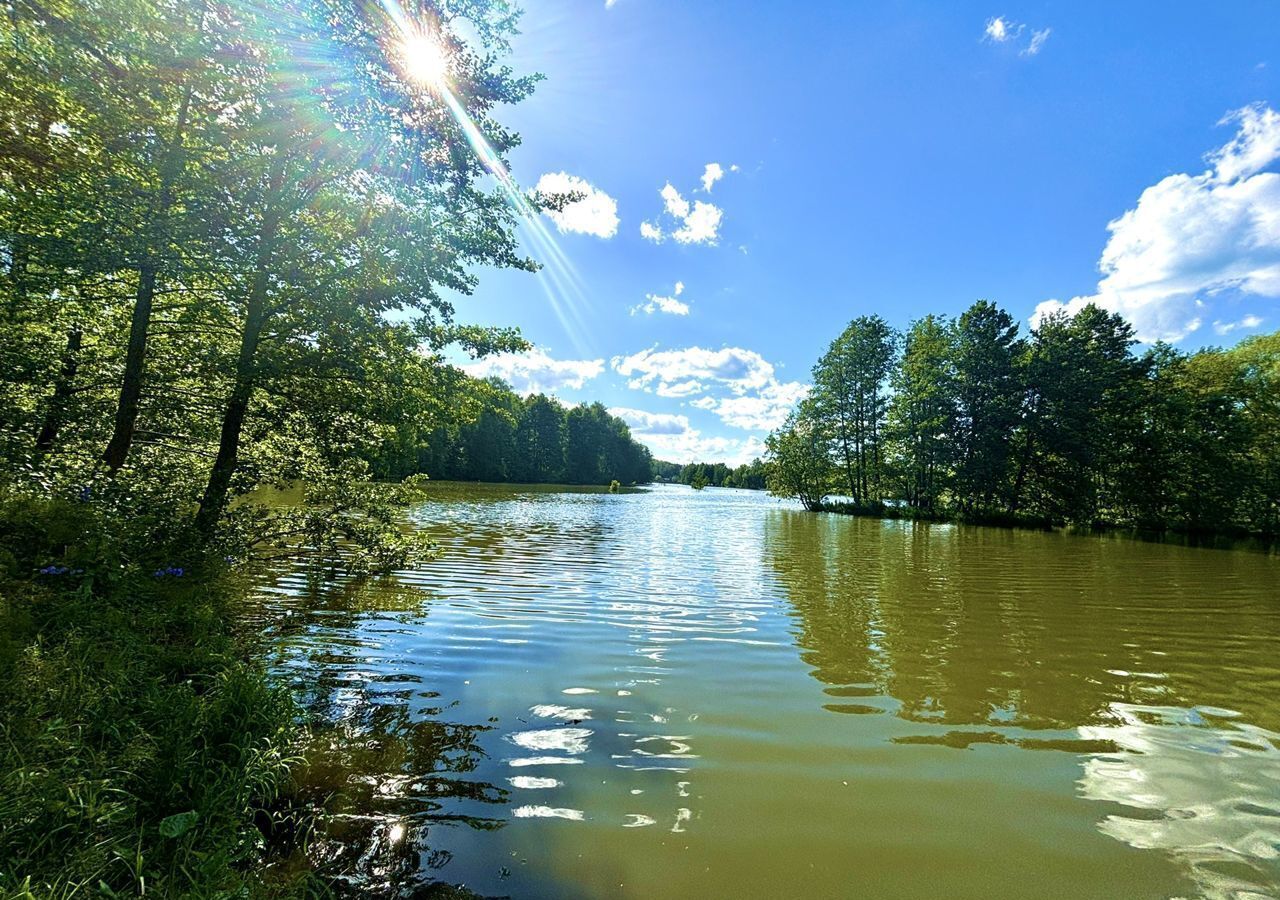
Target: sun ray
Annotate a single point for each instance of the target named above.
(425, 62)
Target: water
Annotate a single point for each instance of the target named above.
(716, 694)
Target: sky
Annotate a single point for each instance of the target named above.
(753, 176)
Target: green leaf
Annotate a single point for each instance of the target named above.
(178, 824)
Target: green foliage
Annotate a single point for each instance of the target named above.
(1067, 427)
(849, 397)
(533, 441)
(801, 459)
(230, 239)
(138, 751)
(748, 475)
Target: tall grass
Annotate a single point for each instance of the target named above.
(142, 751)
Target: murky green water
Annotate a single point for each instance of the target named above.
(680, 694)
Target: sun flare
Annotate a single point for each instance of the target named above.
(424, 60)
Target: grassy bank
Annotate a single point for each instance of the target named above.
(142, 749)
(1208, 537)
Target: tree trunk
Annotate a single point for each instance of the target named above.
(135, 357)
(62, 389)
(217, 491)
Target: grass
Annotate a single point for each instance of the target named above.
(142, 750)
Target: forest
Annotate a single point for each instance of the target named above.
(1070, 424)
(748, 475)
(534, 440)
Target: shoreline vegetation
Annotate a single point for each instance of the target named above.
(965, 420)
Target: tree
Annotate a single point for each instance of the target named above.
(988, 397)
(800, 458)
(922, 413)
(1080, 420)
(848, 394)
(337, 239)
(540, 440)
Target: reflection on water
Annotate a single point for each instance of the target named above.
(714, 694)
(1198, 783)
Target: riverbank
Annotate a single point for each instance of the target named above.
(1208, 537)
(143, 748)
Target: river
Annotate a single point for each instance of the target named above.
(715, 694)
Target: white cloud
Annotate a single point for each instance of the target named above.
(710, 175)
(651, 423)
(671, 437)
(763, 411)
(661, 370)
(1037, 41)
(535, 372)
(1000, 30)
(696, 222)
(676, 205)
(1246, 323)
(1191, 238)
(692, 446)
(738, 385)
(701, 226)
(595, 214)
(657, 303)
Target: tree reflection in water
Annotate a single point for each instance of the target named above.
(1154, 664)
(386, 766)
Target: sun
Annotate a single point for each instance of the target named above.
(424, 60)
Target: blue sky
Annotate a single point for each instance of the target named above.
(893, 158)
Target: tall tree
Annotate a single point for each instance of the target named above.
(988, 395)
(922, 413)
(540, 440)
(849, 383)
(364, 196)
(800, 457)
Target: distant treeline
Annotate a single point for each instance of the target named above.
(495, 435)
(748, 475)
(965, 418)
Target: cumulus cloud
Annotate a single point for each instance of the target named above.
(685, 222)
(659, 371)
(1248, 322)
(712, 173)
(651, 423)
(595, 214)
(657, 303)
(536, 372)
(764, 410)
(671, 437)
(739, 386)
(1192, 238)
(1000, 30)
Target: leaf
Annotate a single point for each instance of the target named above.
(178, 824)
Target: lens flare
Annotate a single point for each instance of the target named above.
(425, 61)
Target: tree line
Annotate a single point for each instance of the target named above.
(509, 439)
(748, 475)
(1068, 424)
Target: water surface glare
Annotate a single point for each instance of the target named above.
(715, 694)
